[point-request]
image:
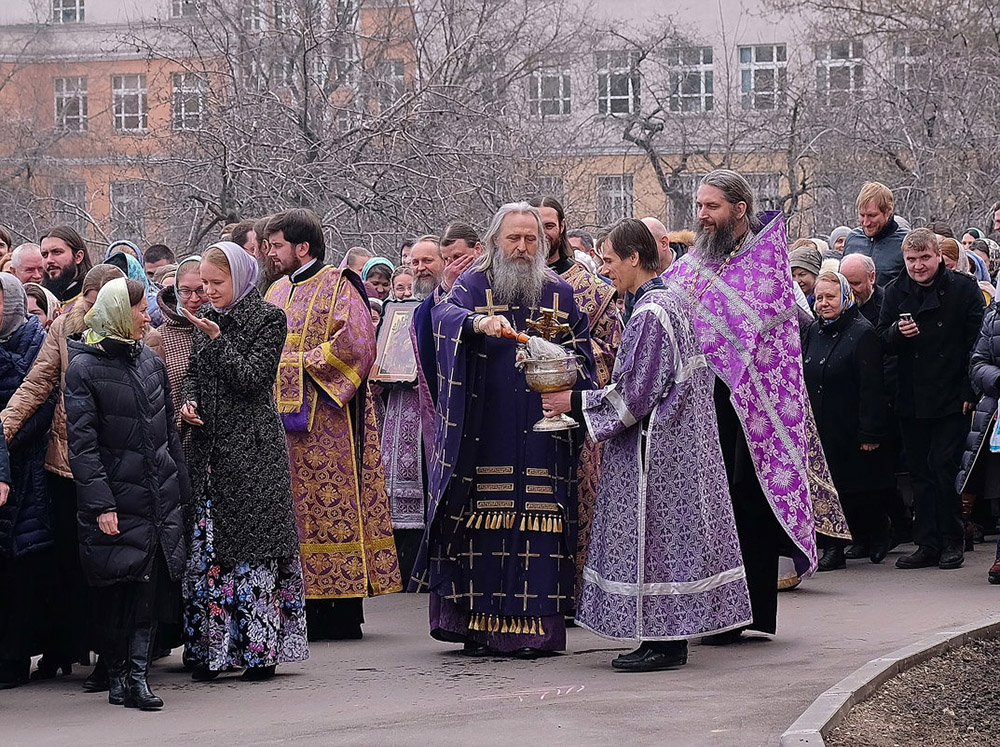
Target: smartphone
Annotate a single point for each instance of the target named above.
(906, 317)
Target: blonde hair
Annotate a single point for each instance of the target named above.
(875, 192)
(215, 256)
(829, 276)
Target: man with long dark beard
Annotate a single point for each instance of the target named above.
(67, 262)
(737, 287)
(497, 555)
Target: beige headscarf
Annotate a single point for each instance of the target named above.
(111, 314)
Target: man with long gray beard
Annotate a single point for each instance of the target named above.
(736, 285)
(497, 554)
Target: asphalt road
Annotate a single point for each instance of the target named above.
(398, 687)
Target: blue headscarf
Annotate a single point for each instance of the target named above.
(374, 261)
(846, 298)
(134, 270)
(117, 247)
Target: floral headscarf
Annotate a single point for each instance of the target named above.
(111, 315)
(846, 296)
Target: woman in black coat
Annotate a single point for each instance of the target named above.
(131, 481)
(980, 473)
(842, 362)
(243, 591)
(27, 555)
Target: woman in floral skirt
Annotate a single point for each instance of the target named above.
(244, 597)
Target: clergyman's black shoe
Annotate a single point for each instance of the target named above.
(856, 552)
(951, 558)
(528, 653)
(650, 660)
(257, 674)
(923, 557)
(723, 639)
(473, 649)
(832, 560)
(98, 680)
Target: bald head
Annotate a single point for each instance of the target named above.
(860, 273)
(659, 232)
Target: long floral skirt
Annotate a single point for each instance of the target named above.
(251, 615)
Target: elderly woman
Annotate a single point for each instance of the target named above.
(132, 482)
(68, 636)
(243, 589)
(806, 263)
(842, 363)
(378, 271)
(26, 542)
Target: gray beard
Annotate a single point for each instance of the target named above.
(517, 283)
(715, 246)
(423, 287)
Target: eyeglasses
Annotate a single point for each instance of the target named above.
(188, 292)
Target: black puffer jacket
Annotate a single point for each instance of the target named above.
(985, 374)
(240, 455)
(126, 457)
(842, 364)
(26, 519)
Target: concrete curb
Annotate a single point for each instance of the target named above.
(830, 708)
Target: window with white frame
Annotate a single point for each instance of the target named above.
(549, 93)
(70, 204)
(763, 75)
(67, 11)
(128, 94)
(391, 83)
(128, 210)
(618, 82)
(189, 101)
(71, 103)
(552, 186)
(911, 65)
(253, 15)
(615, 198)
(345, 62)
(691, 79)
(840, 71)
(186, 8)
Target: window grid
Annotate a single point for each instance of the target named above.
(68, 11)
(71, 104)
(615, 198)
(70, 207)
(253, 16)
(691, 79)
(391, 82)
(188, 101)
(839, 71)
(186, 8)
(550, 185)
(911, 66)
(129, 100)
(763, 75)
(549, 93)
(128, 210)
(618, 82)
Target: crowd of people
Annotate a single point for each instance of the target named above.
(625, 430)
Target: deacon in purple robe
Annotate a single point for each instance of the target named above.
(664, 561)
(497, 555)
(736, 286)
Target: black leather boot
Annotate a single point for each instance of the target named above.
(116, 662)
(832, 560)
(98, 681)
(138, 695)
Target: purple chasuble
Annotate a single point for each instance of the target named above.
(664, 560)
(501, 530)
(744, 314)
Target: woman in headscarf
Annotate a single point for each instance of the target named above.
(127, 247)
(68, 636)
(27, 553)
(42, 304)
(134, 270)
(842, 363)
(243, 590)
(378, 271)
(126, 457)
(177, 333)
(989, 251)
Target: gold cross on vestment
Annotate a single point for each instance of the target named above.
(472, 594)
(527, 554)
(490, 309)
(439, 336)
(526, 596)
(550, 324)
(471, 555)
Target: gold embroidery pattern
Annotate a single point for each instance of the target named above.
(495, 487)
(496, 471)
(536, 472)
(543, 489)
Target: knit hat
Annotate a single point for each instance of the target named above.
(836, 233)
(806, 258)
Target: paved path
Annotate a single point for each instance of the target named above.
(398, 687)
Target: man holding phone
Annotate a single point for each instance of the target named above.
(930, 319)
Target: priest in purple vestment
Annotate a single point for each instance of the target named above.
(737, 289)
(664, 561)
(497, 555)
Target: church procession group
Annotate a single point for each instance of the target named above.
(532, 429)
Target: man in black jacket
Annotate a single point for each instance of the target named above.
(879, 236)
(859, 269)
(930, 320)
